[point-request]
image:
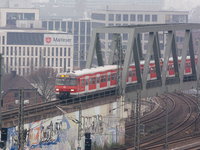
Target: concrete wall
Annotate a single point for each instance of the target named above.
(61, 133)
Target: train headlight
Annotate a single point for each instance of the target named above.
(72, 90)
(57, 89)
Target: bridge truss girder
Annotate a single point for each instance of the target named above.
(134, 50)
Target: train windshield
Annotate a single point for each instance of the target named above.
(67, 81)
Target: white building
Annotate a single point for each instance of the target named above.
(9, 16)
(27, 50)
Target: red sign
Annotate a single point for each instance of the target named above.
(48, 39)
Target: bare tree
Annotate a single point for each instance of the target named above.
(44, 80)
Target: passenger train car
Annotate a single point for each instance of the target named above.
(80, 82)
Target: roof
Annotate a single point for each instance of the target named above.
(14, 82)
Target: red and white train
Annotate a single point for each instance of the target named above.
(80, 82)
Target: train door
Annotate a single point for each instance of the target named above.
(108, 79)
(129, 75)
(86, 84)
(98, 76)
(78, 86)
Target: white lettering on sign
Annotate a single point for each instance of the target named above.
(58, 39)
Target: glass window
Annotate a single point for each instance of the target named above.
(82, 28)
(125, 17)
(97, 79)
(28, 95)
(61, 51)
(140, 17)
(57, 25)
(69, 51)
(65, 51)
(7, 50)
(69, 27)
(130, 73)
(82, 39)
(36, 51)
(52, 62)
(63, 26)
(36, 62)
(88, 28)
(90, 81)
(88, 39)
(111, 17)
(3, 50)
(56, 62)
(154, 18)
(56, 51)
(118, 17)
(50, 25)
(147, 18)
(44, 24)
(76, 28)
(16, 95)
(75, 39)
(68, 62)
(132, 17)
(24, 51)
(82, 82)
(102, 79)
(60, 62)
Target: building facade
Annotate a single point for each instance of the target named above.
(81, 31)
(9, 16)
(26, 50)
(121, 17)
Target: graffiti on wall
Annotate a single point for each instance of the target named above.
(59, 133)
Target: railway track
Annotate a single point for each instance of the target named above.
(175, 129)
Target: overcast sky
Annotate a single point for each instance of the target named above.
(181, 4)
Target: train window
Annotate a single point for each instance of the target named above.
(108, 77)
(97, 79)
(133, 73)
(130, 73)
(152, 70)
(86, 82)
(90, 81)
(60, 81)
(115, 76)
(93, 80)
(82, 82)
(105, 78)
(112, 76)
(101, 79)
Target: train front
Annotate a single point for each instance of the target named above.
(66, 85)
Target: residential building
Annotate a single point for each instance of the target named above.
(11, 83)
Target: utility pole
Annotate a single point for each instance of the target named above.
(35, 101)
(0, 86)
(20, 145)
(79, 127)
(166, 123)
(198, 108)
(119, 65)
(137, 122)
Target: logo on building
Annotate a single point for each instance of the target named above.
(58, 39)
(48, 39)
